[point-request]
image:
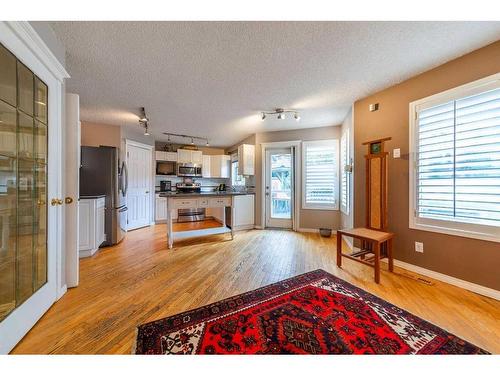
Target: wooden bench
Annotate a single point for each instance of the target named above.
(376, 245)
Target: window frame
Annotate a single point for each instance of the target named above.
(457, 228)
(344, 139)
(318, 206)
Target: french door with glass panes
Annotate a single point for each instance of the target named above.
(28, 249)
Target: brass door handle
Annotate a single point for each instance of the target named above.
(56, 201)
(68, 200)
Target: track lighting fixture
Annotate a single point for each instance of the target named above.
(281, 114)
(144, 121)
(191, 139)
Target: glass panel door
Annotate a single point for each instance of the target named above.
(279, 188)
(23, 183)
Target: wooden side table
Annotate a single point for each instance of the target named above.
(376, 245)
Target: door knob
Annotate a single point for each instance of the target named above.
(56, 201)
(68, 200)
(147, 192)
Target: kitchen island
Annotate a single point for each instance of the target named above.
(213, 199)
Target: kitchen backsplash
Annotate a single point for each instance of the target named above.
(203, 181)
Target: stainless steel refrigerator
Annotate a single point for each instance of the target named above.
(101, 173)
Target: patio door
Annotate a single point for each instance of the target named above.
(279, 188)
(30, 186)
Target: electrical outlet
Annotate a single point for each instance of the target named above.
(396, 153)
(419, 247)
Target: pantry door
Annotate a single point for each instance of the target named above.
(140, 192)
(30, 181)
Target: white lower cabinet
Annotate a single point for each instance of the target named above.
(161, 209)
(244, 215)
(91, 227)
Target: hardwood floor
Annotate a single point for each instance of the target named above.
(139, 280)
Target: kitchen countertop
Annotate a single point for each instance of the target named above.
(92, 196)
(204, 194)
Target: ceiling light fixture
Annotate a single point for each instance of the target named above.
(188, 139)
(144, 121)
(281, 114)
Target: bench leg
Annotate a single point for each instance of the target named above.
(389, 255)
(339, 250)
(377, 261)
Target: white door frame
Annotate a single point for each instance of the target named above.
(129, 142)
(296, 145)
(23, 41)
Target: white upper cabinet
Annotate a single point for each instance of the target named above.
(246, 160)
(216, 166)
(220, 166)
(196, 157)
(165, 156)
(189, 156)
(205, 168)
(183, 156)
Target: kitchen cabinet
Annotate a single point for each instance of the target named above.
(91, 225)
(189, 156)
(244, 212)
(165, 156)
(205, 168)
(216, 166)
(246, 160)
(161, 209)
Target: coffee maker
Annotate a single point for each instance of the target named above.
(165, 185)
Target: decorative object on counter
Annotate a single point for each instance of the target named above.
(313, 313)
(190, 138)
(144, 121)
(222, 187)
(281, 114)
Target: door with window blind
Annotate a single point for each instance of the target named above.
(458, 159)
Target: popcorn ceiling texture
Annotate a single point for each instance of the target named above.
(211, 79)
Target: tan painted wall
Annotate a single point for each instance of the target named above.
(100, 135)
(308, 218)
(468, 259)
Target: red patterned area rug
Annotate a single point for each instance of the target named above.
(314, 313)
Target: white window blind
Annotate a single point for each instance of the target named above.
(320, 174)
(458, 160)
(344, 182)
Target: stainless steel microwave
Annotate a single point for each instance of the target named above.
(188, 170)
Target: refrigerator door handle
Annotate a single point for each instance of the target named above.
(125, 178)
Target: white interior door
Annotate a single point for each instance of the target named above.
(31, 272)
(139, 163)
(279, 188)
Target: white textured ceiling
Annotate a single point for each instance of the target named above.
(211, 79)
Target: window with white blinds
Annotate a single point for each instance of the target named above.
(344, 180)
(456, 177)
(320, 175)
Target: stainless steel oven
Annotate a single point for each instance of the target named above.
(188, 170)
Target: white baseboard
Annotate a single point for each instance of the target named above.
(258, 227)
(476, 288)
(87, 253)
(62, 291)
(307, 230)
